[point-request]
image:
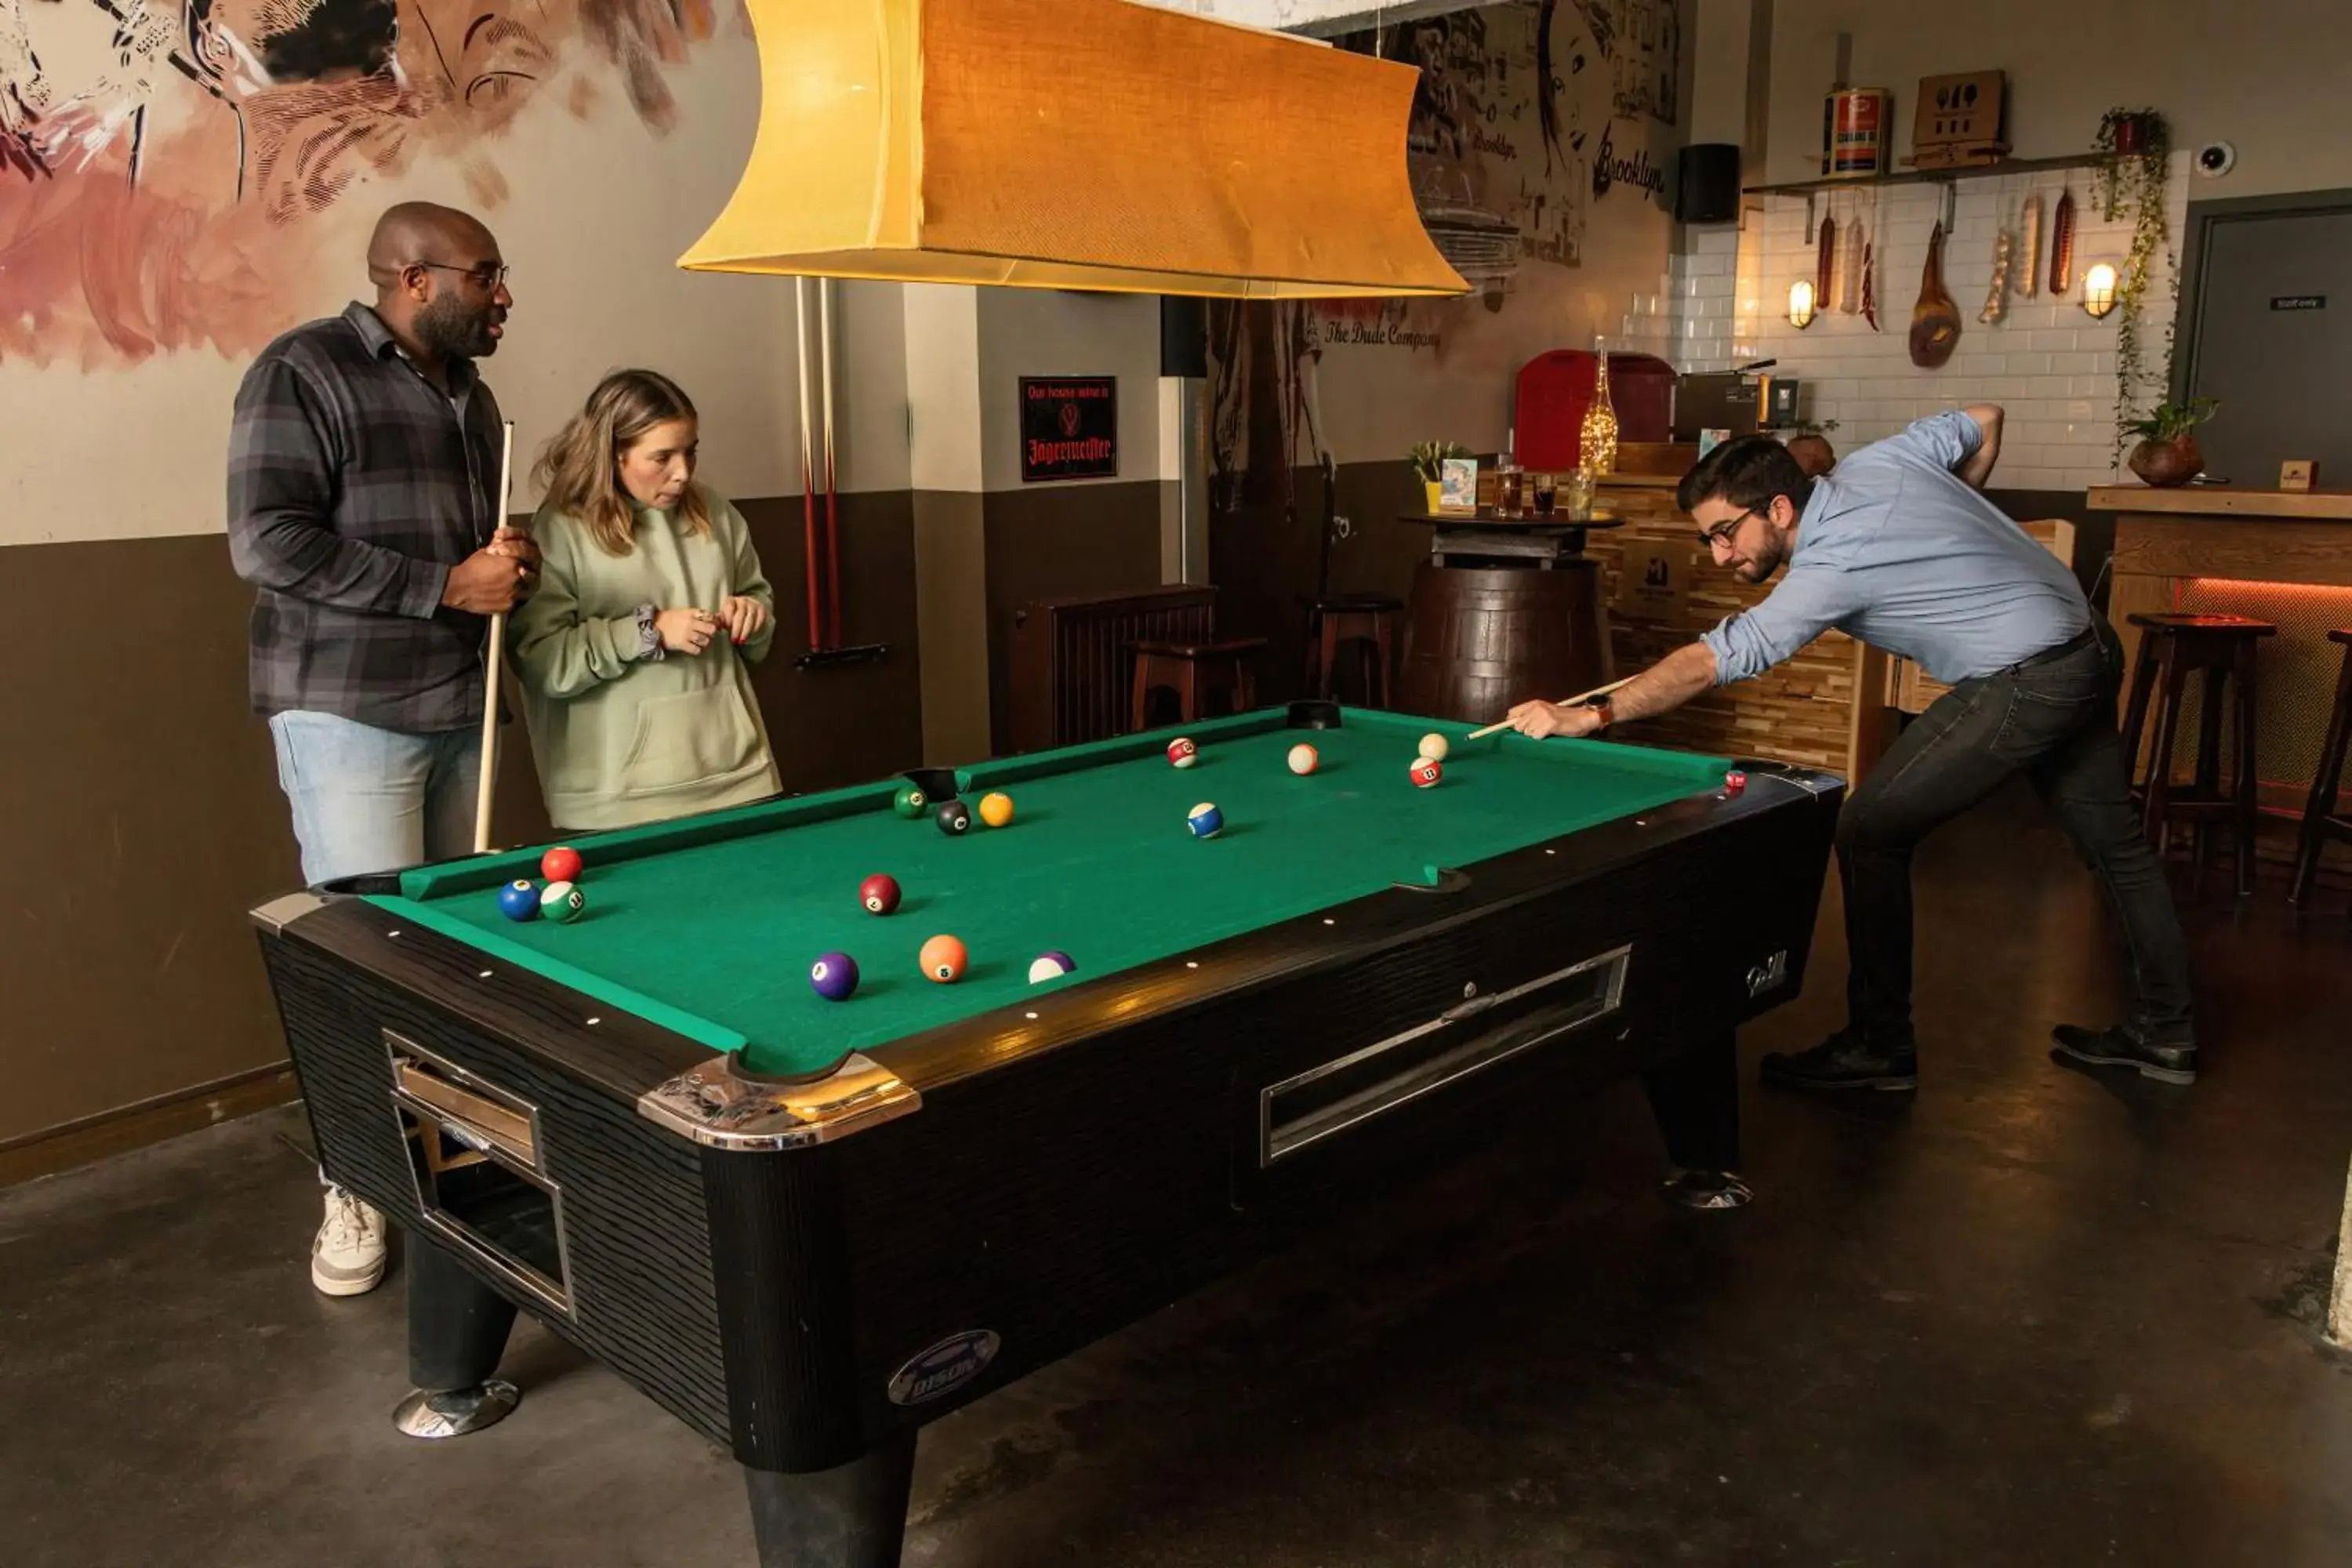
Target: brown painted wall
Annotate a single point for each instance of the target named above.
(1049, 541)
(140, 815)
(1263, 560)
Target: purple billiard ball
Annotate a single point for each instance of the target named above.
(835, 976)
(1051, 965)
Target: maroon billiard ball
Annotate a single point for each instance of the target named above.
(878, 893)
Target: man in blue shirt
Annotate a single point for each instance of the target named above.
(1898, 548)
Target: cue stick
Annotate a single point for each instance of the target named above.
(492, 658)
(808, 467)
(1567, 702)
(832, 510)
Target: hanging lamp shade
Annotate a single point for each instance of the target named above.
(1078, 144)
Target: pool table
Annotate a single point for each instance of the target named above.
(808, 1226)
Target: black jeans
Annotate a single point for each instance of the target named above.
(2055, 723)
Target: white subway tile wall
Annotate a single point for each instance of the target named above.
(1724, 301)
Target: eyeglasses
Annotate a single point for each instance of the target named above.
(488, 277)
(1722, 532)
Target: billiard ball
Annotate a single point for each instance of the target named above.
(562, 903)
(834, 976)
(1051, 965)
(878, 893)
(1302, 759)
(1205, 821)
(1735, 783)
(954, 818)
(943, 959)
(519, 901)
(1183, 753)
(1426, 771)
(562, 864)
(909, 801)
(996, 808)
(1435, 746)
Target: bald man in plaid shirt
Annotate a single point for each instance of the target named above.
(362, 506)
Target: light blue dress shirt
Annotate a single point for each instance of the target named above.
(1896, 550)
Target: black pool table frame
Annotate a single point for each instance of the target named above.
(808, 1272)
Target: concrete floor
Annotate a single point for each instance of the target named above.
(2034, 1318)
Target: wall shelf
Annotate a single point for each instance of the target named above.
(1929, 176)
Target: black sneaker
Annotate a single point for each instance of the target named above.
(1843, 1061)
(2121, 1047)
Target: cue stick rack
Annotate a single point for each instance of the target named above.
(826, 649)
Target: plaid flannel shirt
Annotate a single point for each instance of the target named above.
(354, 485)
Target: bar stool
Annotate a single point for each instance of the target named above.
(2320, 821)
(1364, 624)
(2171, 646)
(1195, 672)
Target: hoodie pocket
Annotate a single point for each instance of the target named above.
(689, 738)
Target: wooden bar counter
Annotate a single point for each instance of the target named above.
(2279, 556)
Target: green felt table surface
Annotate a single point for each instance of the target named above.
(708, 925)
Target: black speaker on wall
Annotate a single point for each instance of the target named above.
(1183, 336)
(1707, 187)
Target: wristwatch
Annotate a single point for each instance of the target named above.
(1607, 711)
(649, 643)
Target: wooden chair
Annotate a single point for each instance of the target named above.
(2321, 821)
(1196, 672)
(2223, 648)
(1361, 624)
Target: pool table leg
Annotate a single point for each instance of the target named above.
(854, 1516)
(1696, 1097)
(457, 1332)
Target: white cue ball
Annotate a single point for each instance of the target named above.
(1435, 747)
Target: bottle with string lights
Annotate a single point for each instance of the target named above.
(1596, 444)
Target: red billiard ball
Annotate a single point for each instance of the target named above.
(1426, 771)
(1734, 781)
(1183, 753)
(560, 864)
(878, 893)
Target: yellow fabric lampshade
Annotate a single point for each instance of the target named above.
(1077, 145)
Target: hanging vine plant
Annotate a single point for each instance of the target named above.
(2129, 182)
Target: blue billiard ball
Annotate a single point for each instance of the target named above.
(1051, 965)
(519, 901)
(835, 976)
(1205, 821)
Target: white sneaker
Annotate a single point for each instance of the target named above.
(348, 1257)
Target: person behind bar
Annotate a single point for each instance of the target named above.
(1900, 548)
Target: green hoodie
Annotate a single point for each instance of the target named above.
(622, 738)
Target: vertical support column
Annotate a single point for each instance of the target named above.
(943, 437)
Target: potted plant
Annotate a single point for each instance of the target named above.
(2167, 454)
(1428, 465)
(2129, 183)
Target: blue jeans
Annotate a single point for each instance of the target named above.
(366, 799)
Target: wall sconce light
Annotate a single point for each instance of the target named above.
(1801, 303)
(2099, 291)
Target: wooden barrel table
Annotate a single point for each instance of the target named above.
(1479, 638)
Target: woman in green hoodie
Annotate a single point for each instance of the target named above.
(634, 653)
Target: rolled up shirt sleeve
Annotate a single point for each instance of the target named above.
(1946, 440)
(1809, 601)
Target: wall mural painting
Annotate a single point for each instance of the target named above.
(1528, 114)
(161, 162)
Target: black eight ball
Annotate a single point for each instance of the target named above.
(954, 818)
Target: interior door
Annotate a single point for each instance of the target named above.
(2273, 332)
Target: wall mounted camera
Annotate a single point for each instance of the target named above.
(2216, 159)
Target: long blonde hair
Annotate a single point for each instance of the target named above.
(578, 471)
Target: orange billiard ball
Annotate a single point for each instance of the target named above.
(996, 808)
(943, 960)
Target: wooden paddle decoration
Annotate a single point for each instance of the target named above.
(1934, 320)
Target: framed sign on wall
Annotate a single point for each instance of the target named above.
(1069, 427)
